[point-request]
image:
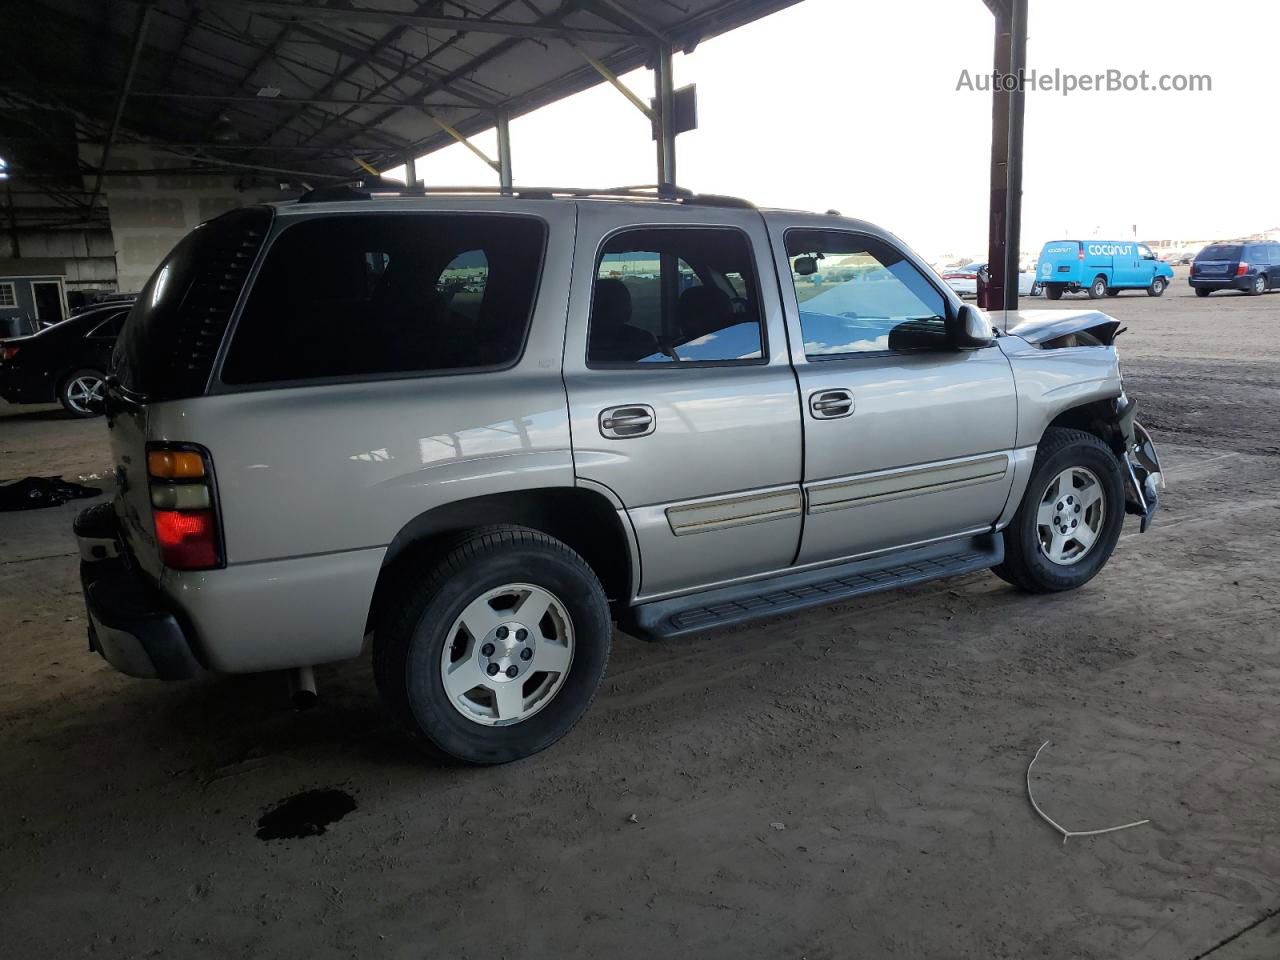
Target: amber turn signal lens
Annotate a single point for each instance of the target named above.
(175, 464)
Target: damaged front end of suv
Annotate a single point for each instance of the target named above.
(1113, 420)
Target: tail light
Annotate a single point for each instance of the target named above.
(1080, 254)
(1242, 269)
(184, 507)
(8, 352)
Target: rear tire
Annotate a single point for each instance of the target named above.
(1157, 287)
(1053, 291)
(460, 622)
(79, 388)
(1259, 286)
(1203, 291)
(1069, 464)
(1098, 289)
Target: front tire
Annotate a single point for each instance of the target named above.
(80, 389)
(1157, 287)
(497, 650)
(1070, 516)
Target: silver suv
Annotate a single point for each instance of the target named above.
(471, 432)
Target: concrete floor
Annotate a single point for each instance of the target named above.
(887, 737)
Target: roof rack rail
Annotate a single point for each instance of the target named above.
(366, 189)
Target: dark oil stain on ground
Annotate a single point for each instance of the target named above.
(305, 814)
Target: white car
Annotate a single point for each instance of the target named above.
(964, 280)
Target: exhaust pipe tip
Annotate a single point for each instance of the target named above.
(302, 688)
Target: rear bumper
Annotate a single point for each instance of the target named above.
(130, 626)
(19, 386)
(1221, 283)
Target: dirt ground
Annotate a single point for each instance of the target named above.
(844, 783)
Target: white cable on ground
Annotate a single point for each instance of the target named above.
(1057, 826)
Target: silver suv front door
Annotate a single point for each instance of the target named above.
(681, 396)
(906, 439)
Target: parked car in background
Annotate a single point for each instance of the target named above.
(95, 300)
(1101, 268)
(964, 280)
(67, 362)
(1253, 268)
(322, 447)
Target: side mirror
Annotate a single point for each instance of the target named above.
(970, 329)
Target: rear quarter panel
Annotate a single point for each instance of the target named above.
(315, 481)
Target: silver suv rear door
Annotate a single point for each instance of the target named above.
(682, 399)
(906, 439)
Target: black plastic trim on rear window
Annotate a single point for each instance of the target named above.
(171, 338)
(222, 384)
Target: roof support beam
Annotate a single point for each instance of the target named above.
(525, 31)
(612, 78)
(139, 34)
(250, 98)
(463, 140)
(664, 90)
(1005, 225)
(504, 152)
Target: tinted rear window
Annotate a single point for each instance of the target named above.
(176, 325)
(381, 294)
(1220, 251)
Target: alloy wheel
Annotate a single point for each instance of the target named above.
(1070, 517)
(83, 390)
(508, 654)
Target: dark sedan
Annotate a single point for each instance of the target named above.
(66, 362)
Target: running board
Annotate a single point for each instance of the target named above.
(789, 592)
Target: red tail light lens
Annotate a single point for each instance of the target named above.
(188, 538)
(183, 506)
(1242, 269)
(1080, 255)
(8, 353)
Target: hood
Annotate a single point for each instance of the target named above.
(1044, 327)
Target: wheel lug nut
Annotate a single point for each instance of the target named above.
(493, 670)
(502, 633)
(1077, 508)
(526, 654)
(512, 670)
(487, 649)
(521, 634)
(1073, 524)
(1059, 504)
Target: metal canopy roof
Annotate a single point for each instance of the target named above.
(294, 88)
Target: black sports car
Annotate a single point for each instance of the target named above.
(66, 362)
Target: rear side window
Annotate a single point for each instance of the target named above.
(383, 294)
(1258, 254)
(1220, 251)
(176, 325)
(675, 295)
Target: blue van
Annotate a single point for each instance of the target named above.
(1101, 267)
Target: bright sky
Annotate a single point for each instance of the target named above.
(852, 104)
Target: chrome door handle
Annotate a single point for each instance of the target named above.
(831, 404)
(623, 423)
